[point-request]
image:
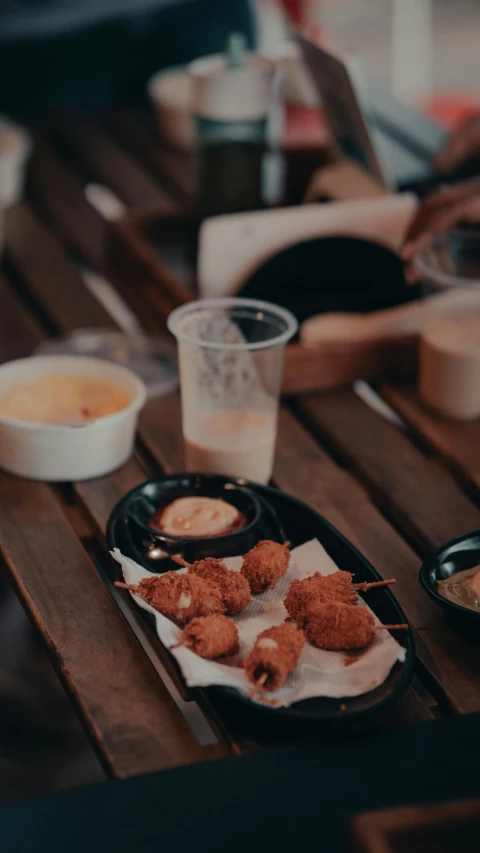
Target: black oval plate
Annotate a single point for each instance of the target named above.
(300, 523)
(452, 557)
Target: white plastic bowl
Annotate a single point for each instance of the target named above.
(55, 452)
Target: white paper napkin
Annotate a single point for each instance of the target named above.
(319, 673)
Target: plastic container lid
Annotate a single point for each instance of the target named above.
(152, 359)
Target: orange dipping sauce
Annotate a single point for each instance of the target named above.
(63, 398)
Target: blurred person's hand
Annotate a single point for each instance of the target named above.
(463, 145)
(446, 208)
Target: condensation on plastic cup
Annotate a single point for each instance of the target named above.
(231, 364)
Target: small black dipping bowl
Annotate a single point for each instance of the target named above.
(455, 556)
(153, 548)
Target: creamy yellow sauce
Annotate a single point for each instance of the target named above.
(63, 398)
(197, 517)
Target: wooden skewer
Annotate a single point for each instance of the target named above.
(132, 587)
(364, 585)
(259, 684)
(401, 627)
(177, 558)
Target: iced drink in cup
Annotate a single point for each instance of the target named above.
(231, 361)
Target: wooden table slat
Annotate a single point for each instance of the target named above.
(416, 491)
(160, 430)
(174, 169)
(97, 497)
(457, 442)
(20, 333)
(60, 191)
(130, 715)
(110, 164)
(304, 470)
(52, 278)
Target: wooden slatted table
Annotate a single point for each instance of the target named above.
(396, 493)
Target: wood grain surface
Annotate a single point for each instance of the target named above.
(413, 489)
(133, 722)
(129, 714)
(393, 497)
(59, 191)
(305, 470)
(456, 442)
(20, 333)
(107, 162)
(175, 170)
(52, 278)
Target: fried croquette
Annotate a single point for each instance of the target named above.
(180, 597)
(337, 586)
(234, 587)
(265, 564)
(211, 637)
(334, 587)
(275, 653)
(337, 627)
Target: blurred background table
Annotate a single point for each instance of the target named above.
(395, 488)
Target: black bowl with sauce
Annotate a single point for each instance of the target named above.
(154, 548)
(456, 556)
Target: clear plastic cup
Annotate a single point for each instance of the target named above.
(452, 260)
(231, 362)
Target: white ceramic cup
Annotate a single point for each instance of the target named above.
(56, 452)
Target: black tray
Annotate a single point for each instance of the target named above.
(300, 524)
